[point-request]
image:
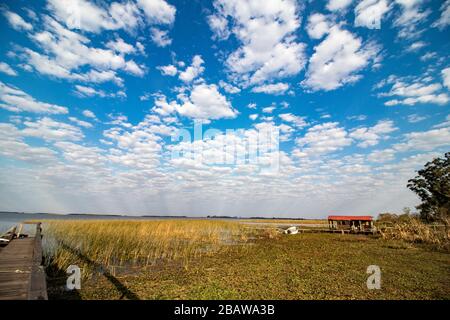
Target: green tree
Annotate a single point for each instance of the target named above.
(432, 185)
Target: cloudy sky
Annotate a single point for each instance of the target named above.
(97, 98)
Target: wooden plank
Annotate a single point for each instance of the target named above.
(21, 274)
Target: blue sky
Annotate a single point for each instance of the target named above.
(351, 96)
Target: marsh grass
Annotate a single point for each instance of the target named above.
(141, 243)
(413, 230)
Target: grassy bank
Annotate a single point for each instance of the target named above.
(256, 266)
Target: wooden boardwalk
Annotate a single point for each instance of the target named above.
(22, 277)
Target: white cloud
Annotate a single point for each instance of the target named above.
(269, 49)
(410, 18)
(337, 60)
(194, 70)
(414, 118)
(411, 91)
(15, 100)
(160, 37)
(274, 88)
(318, 26)
(425, 141)
(206, 102)
(372, 135)
(89, 114)
(360, 117)
(321, 139)
(428, 56)
(268, 109)
(13, 146)
(169, 70)
(446, 77)
(17, 21)
(228, 87)
(445, 124)
(51, 130)
(337, 5)
(81, 123)
(120, 46)
(84, 91)
(219, 27)
(5, 68)
(298, 122)
(158, 11)
(67, 51)
(444, 19)
(368, 13)
(87, 16)
(253, 116)
(380, 156)
(415, 46)
(81, 155)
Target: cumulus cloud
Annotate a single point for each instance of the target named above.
(368, 13)
(66, 52)
(413, 90)
(273, 88)
(229, 88)
(410, 18)
(194, 70)
(5, 68)
(415, 118)
(15, 100)
(444, 19)
(446, 77)
(158, 11)
(381, 156)
(268, 48)
(81, 123)
(204, 102)
(425, 141)
(297, 121)
(88, 16)
(169, 70)
(318, 26)
(337, 5)
(371, 136)
(89, 114)
(337, 60)
(160, 37)
(84, 91)
(51, 130)
(17, 21)
(13, 146)
(120, 46)
(321, 139)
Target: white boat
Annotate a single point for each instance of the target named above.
(291, 230)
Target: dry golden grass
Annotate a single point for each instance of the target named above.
(287, 221)
(415, 231)
(142, 243)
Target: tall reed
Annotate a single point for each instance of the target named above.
(141, 243)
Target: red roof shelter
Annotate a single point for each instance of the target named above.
(352, 223)
(346, 218)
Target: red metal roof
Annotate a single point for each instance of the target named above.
(350, 218)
